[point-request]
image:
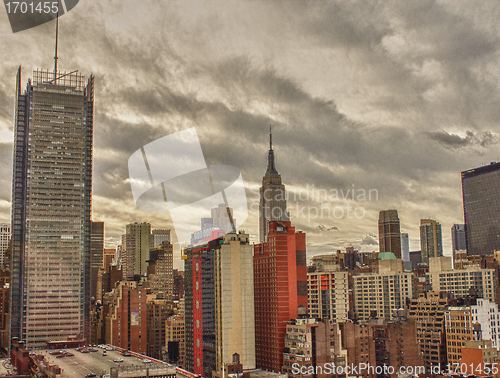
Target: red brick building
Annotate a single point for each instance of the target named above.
(126, 323)
(280, 287)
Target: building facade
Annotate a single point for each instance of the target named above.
(51, 208)
(126, 322)
(328, 295)
(313, 348)
(96, 254)
(280, 287)
(136, 244)
(481, 199)
(160, 236)
(428, 310)
(458, 238)
(381, 293)
(160, 270)
(389, 233)
(4, 240)
(471, 280)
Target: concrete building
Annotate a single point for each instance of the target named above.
(272, 206)
(126, 322)
(472, 280)
(280, 286)
(481, 199)
(160, 270)
(389, 233)
(109, 258)
(136, 244)
(384, 291)
(234, 300)
(313, 345)
(479, 358)
(357, 339)
(428, 310)
(431, 240)
(51, 207)
(328, 295)
(477, 321)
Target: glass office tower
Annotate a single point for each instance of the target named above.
(51, 208)
(481, 196)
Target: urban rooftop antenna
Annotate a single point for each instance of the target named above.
(57, 37)
(270, 138)
(56, 56)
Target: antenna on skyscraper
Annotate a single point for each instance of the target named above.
(270, 138)
(57, 38)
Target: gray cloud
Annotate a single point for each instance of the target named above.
(354, 92)
(471, 139)
(369, 240)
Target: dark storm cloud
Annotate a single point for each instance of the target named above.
(403, 70)
(471, 139)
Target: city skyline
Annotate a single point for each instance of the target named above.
(397, 97)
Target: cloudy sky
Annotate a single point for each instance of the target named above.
(397, 97)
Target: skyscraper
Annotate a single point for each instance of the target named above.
(431, 241)
(481, 197)
(51, 207)
(389, 233)
(272, 196)
(136, 244)
(280, 290)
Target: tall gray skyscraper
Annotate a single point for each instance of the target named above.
(431, 239)
(51, 208)
(481, 196)
(389, 233)
(272, 196)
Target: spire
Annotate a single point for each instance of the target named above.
(270, 138)
(271, 168)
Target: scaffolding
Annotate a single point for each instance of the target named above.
(66, 79)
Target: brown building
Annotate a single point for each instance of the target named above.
(159, 309)
(396, 344)
(126, 323)
(376, 344)
(358, 340)
(178, 284)
(428, 311)
(160, 270)
(108, 257)
(313, 346)
(175, 340)
(389, 233)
